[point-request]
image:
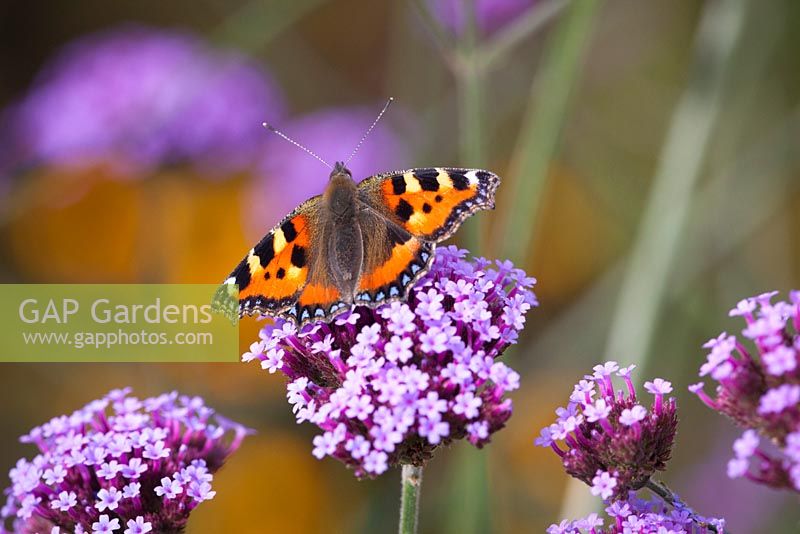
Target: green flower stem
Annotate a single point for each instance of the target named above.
(470, 508)
(541, 129)
(469, 87)
(468, 500)
(409, 498)
(470, 111)
(653, 254)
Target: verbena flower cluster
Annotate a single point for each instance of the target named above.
(389, 385)
(635, 515)
(758, 386)
(610, 440)
(139, 97)
(120, 464)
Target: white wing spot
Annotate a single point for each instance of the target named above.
(445, 182)
(279, 241)
(412, 184)
(253, 261)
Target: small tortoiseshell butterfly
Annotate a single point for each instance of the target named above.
(364, 243)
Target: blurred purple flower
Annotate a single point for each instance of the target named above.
(291, 176)
(138, 98)
(141, 464)
(760, 393)
(490, 15)
(381, 393)
(613, 443)
(632, 515)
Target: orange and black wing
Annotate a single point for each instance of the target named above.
(430, 203)
(393, 259)
(285, 274)
(275, 272)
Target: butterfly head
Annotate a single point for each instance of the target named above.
(341, 173)
(341, 192)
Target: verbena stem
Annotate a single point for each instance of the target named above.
(409, 498)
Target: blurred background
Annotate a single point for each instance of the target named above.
(649, 152)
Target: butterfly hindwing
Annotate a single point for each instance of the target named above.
(393, 259)
(320, 298)
(430, 203)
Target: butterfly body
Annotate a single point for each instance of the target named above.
(340, 210)
(364, 243)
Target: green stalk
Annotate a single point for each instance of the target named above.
(409, 498)
(469, 86)
(470, 91)
(541, 128)
(680, 165)
(469, 494)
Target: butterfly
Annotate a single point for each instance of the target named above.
(363, 243)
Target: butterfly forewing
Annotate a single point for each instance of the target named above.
(431, 203)
(273, 274)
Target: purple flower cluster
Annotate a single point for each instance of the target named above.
(388, 386)
(635, 515)
(120, 464)
(138, 97)
(759, 389)
(613, 443)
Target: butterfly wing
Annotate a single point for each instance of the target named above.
(405, 214)
(320, 299)
(393, 259)
(430, 203)
(273, 275)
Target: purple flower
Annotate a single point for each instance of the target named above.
(169, 488)
(603, 484)
(613, 443)
(74, 485)
(138, 526)
(758, 387)
(467, 404)
(490, 15)
(109, 498)
(139, 98)
(64, 501)
(104, 524)
(389, 387)
(631, 416)
(129, 491)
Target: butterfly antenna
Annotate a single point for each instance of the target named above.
(295, 143)
(378, 118)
